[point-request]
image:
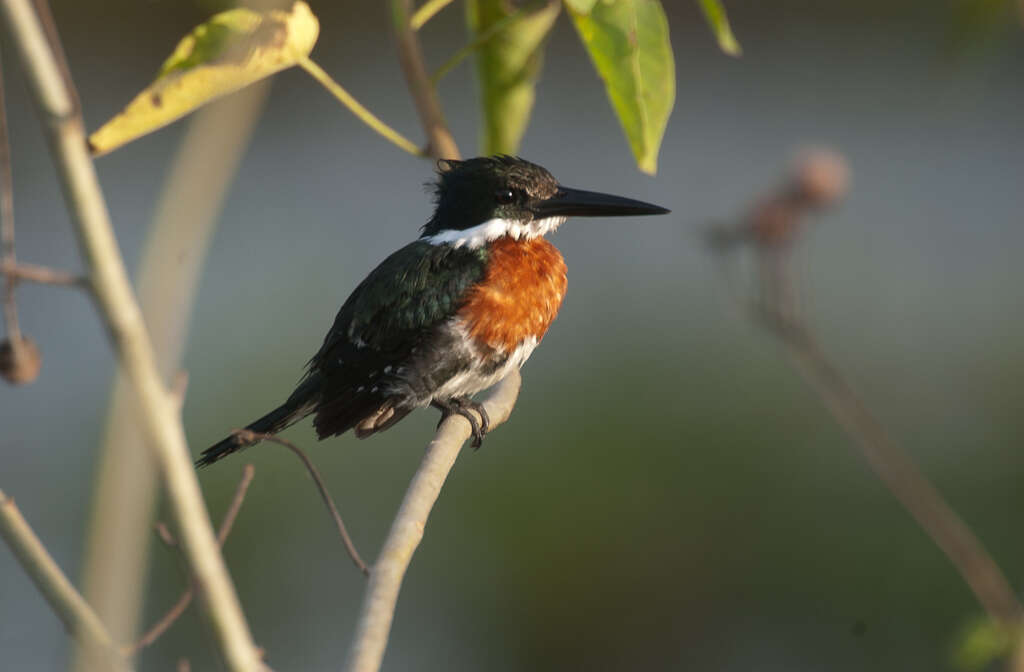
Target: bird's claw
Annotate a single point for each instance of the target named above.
(465, 406)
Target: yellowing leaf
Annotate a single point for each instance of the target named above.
(230, 51)
(508, 64)
(628, 42)
(714, 12)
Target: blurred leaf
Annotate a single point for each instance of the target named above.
(628, 42)
(981, 643)
(508, 65)
(580, 6)
(230, 51)
(714, 12)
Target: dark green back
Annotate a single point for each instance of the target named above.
(402, 300)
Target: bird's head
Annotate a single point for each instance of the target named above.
(482, 199)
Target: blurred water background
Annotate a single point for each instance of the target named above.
(668, 494)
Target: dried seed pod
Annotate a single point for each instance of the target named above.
(20, 361)
(821, 177)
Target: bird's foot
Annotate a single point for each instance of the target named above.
(465, 406)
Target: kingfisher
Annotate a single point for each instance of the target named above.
(449, 314)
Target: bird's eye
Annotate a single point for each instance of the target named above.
(505, 196)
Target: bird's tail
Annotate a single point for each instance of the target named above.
(299, 405)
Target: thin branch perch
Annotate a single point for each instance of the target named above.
(378, 609)
(118, 307)
(78, 617)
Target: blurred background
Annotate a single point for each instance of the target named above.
(668, 493)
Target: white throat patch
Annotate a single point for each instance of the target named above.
(492, 229)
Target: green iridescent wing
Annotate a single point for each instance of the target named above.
(402, 300)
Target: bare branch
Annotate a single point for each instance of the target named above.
(378, 609)
(78, 617)
(179, 607)
(163, 429)
(248, 436)
(410, 56)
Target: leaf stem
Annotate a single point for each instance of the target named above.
(427, 12)
(357, 108)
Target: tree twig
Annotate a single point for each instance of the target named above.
(118, 307)
(78, 617)
(441, 144)
(248, 436)
(43, 275)
(179, 607)
(378, 608)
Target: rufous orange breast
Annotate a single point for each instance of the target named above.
(519, 296)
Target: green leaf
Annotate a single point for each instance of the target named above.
(628, 42)
(981, 643)
(508, 65)
(230, 51)
(718, 21)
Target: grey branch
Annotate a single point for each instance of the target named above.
(71, 608)
(118, 307)
(378, 609)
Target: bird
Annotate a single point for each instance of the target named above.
(449, 314)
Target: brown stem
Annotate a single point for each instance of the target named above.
(441, 144)
(179, 607)
(899, 473)
(248, 437)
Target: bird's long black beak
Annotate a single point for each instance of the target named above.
(575, 202)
